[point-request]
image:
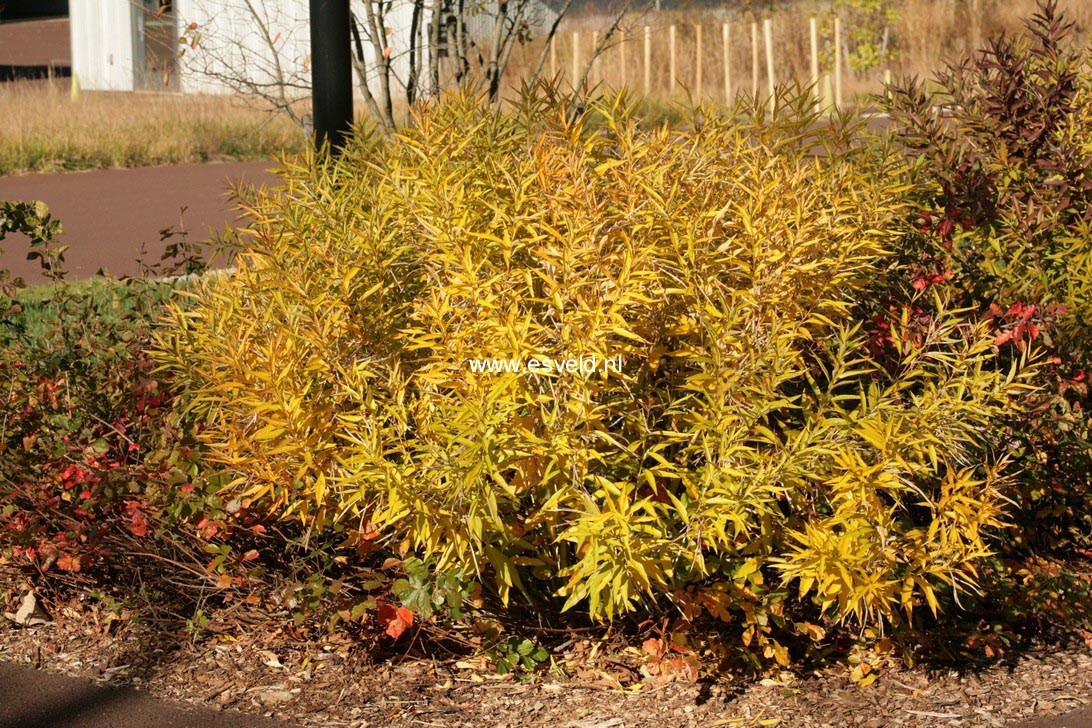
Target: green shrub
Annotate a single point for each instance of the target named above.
(87, 435)
(751, 443)
(90, 449)
(1004, 214)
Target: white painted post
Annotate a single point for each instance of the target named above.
(697, 60)
(595, 59)
(622, 56)
(813, 26)
(837, 63)
(576, 60)
(648, 60)
(726, 60)
(754, 58)
(767, 31)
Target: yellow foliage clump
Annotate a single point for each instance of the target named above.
(748, 440)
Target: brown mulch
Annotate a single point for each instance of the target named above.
(333, 681)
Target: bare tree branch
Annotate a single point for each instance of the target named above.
(550, 39)
(359, 65)
(602, 45)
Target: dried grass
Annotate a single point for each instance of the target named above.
(45, 130)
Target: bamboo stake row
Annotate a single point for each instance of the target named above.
(830, 83)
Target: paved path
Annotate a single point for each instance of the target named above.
(35, 42)
(30, 48)
(36, 699)
(107, 214)
(1079, 719)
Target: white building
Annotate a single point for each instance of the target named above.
(127, 45)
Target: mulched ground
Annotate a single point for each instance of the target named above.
(333, 681)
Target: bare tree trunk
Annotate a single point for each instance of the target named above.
(514, 33)
(434, 49)
(550, 39)
(507, 31)
(464, 42)
(378, 36)
(411, 80)
(360, 65)
(494, 48)
(604, 42)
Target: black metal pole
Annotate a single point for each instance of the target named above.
(331, 73)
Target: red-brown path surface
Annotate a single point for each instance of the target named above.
(36, 699)
(107, 214)
(35, 43)
(1079, 719)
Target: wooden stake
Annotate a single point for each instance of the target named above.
(754, 58)
(767, 31)
(697, 61)
(622, 55)
(594, 59)
(648, 60)
(671, 76)
(726, 60)
(813, 26)
(837, 63)
(976, 26)
(576, 60)
(553, 58)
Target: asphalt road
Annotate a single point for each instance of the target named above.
(36, 699)
(107, 214)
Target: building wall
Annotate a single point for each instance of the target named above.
(102, 44)
(228, 43)
(231, 44)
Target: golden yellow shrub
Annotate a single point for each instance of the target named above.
(749, 437)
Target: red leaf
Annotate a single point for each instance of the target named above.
(139, 526)
(395, 621)
(653, 647)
